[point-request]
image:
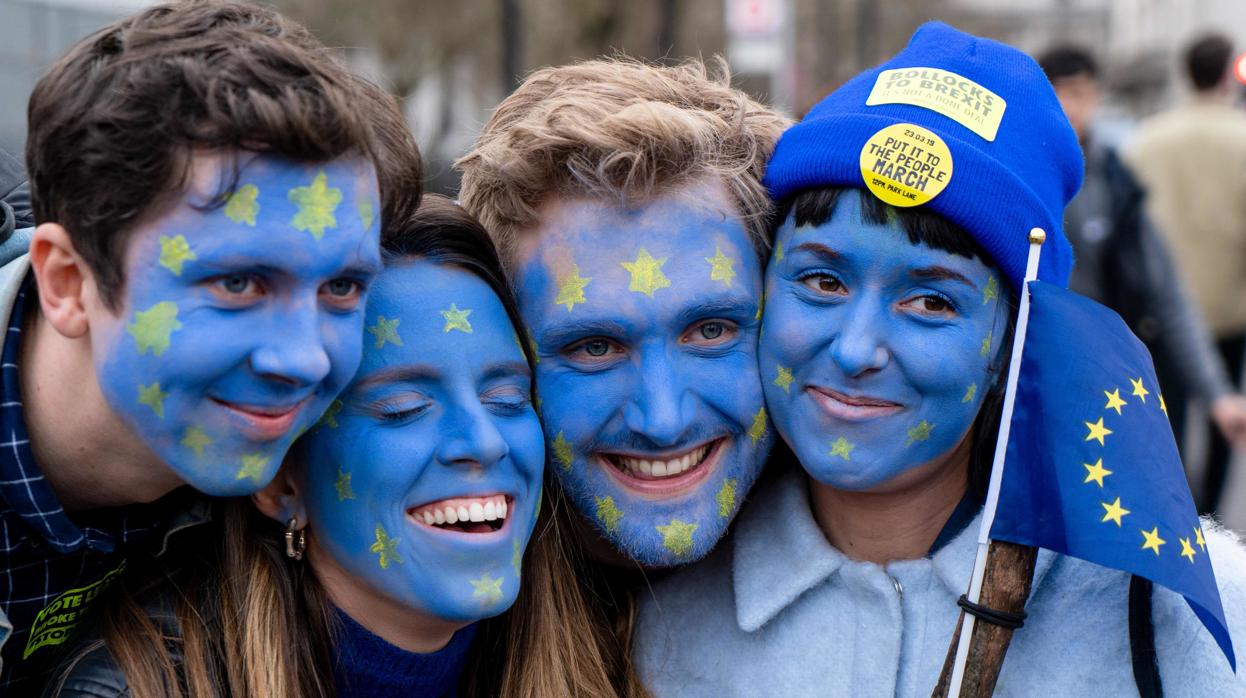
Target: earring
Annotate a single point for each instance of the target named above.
(293, 549)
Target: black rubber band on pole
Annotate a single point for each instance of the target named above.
(1003, 619)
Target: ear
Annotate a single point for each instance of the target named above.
(282, 499)
(65, 283)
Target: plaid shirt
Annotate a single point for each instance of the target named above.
(52, 567)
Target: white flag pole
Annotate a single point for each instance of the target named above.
(1037, 237)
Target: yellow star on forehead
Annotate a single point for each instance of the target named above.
(921, 432)
(784, 379)
(726, 498)
(329, 418)
(843, 448)
(720, 267)
(1097, 431)
(1114, 401)
(677, 536)
(1095, 472)
(316, 203)
(571, 288)
(342, 485)
(608, 513)
(970, 393)
(153, 397)
(151, 328)
(385, 331)
(196, 440)
(986, 344)
(562, 451)
(1113, 511)
(457, 319)
(174, 252)
(778, 252)
(517, 557)
(385, 548)
(991, 291)
(1187, 550)
(487, 589)
(647, 275)
(252, 467)
(1198, 538)
(1151, 540)
(1139, 391)
(241, 206)
(366, 213)
(757, 431)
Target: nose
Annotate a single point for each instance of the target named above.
(860, 345)
(292, 350)
(469, 436)
(660, 406)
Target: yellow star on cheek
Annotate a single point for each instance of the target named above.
(342, 485)
(677, 536)
(316, 206)
(991, 291)
(784, 379)
(970, 393)
(1114, 400)
(252, 467)
(385, 331)
(366, 213)
(726, 498)
(1139, 391)
(647, 275)
(241, 206)
(1198, 538)
(1187, 550)
(842, 448)
(1152, 541)
(457, 319)
(329, 418)
(1096, 472)
(562, 451)
(921, 432)
(986, 344)
(151, 328)
(757, 431)
(152, 396)
(385, 548)
(1097, 431)
(571, 289)
(608, 513)
(487, 589)
(720, 267)
(196, 440)
(517, 558)
(1113, 512)
(174, 252)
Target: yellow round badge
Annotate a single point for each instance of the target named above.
(906, 165)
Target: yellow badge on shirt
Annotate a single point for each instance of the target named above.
(906, 165)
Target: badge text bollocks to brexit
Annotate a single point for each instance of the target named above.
(1092, 469)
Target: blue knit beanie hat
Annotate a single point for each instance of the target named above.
(969, 128)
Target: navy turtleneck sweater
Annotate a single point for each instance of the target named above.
(365, 666)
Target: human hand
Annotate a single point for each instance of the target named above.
(1229, 414)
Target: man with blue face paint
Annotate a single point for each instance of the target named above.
(906, 198)
(207, 212)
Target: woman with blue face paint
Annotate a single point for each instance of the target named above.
(906, 199)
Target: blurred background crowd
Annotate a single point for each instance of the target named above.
(1155, 89)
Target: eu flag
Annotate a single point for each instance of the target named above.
(1092, 469)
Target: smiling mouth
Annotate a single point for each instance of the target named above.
(665, 474)
(852, 408)
(471, 515)
(262, 422)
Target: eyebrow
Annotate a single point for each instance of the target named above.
(503, 369)
(941, 273)
(735, 308)
(818, 249)
(563, 333)
(398, 374)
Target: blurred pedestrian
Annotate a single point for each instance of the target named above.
(1192, 161)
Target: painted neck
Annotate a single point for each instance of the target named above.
(900, 519)
(86, 453)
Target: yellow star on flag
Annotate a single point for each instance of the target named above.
(1198, 538)
(316, 203)
(562, 451)
(1096, 472)
(457, 319)
(986, 344)
(677, 536)
(921, 432)
(1163, 405)
(329, 418)
(991, 291)
(241, 206)
(151, 328)
(385, 548)
(1114, 401)
(720, 267)
(153, 397)
(757, 431)
(196, 440)
(784, 379)
(252, 467)
(608, 513)
(970, 393)
(487, 589)
(647, 275)
(1139, 391)
(174, 252)
(842, 448)
(1113, 511)
(571, 289)
(726, 498)
(1151, 540)
(1097, 431)
(342, 485)
(1187, 550)
(385, 331)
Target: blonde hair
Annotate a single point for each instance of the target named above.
(622, 131)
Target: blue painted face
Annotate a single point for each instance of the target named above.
(645, 323)
(423, 482)
(239, 324)
(876, 353)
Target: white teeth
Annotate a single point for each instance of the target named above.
(463, 514)
(477, 512)
(502, 507)
(452, 515)
(491, 511)
(429, 518)
(664, 468)
(439, 517)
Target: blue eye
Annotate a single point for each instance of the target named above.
(593, 351)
